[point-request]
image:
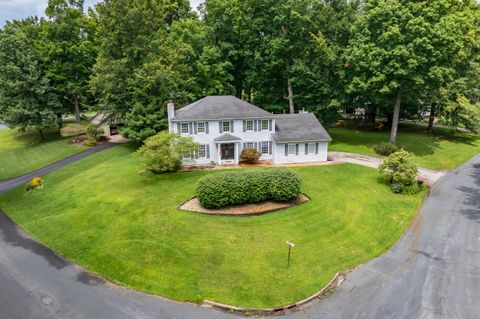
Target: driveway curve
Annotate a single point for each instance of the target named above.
(432, 272)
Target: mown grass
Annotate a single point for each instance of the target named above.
(102, 214)
(23, 153)
(438, 151)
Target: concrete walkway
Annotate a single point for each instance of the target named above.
(429, 176)
(8, 184)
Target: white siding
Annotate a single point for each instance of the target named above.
(238, 131)
(280, 157)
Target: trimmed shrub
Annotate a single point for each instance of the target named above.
(400, 172)
(250, 155)
(385, 149)
(235, 188)
(90, 142)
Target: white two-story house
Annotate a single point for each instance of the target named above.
(225, 125)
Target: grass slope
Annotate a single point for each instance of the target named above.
(440, 151)
(21, 154)
(103, 215)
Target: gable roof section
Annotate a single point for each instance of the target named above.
(219, 108)
(227, 138)
(299, 128)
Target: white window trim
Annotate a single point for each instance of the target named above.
(204, 128)
(261, 125)
(308, 150)
(246, 126)
(294, 147)
(262, 143)
(181, 128)
(229, 127)
(249, 144)
(204, 151)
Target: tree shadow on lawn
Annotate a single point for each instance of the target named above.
(472, 198)
(412, 138)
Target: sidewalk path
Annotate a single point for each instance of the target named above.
(429, 176)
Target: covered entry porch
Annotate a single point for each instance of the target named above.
(228, 149)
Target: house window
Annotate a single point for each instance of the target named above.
(264, 147)
(202, 151)
(249, 145)
(186, 155)
(226, 127)
(311, 148)
(292, 149)
(249, 126)
(264, 125)
(184, 128)
(201, 128)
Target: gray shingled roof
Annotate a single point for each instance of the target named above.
(227, 138)
(219, 108)
(299, 128)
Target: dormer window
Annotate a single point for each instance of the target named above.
(265, 125)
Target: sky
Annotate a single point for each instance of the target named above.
(19, 9)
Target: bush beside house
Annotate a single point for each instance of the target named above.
(163, 152)
(250, 155)
(235, 188)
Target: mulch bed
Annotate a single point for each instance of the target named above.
(255, 209)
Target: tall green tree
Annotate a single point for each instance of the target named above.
(400, 46)
(27, 98)
(69, 52)
(136, 72)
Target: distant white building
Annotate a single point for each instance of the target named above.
(225, 125)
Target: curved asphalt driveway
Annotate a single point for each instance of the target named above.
(432, 272)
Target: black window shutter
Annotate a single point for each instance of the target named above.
(255, 125)
(244, 126)
(190, 128)
(316, 148)
(270, 148)
(220, 127)
(286, 149)
(306, 149)
(206, 127)
(270, 125)
(231, 126)
(296, 149)
(208, 151)
(195, 128)
(178, 128)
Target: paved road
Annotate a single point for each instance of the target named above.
(6, 185)
(432, 272)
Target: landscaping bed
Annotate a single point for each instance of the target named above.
(252, 209)
(125, 226)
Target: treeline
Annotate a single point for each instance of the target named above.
(395, 58)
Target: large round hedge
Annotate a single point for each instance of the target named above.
(234, 188)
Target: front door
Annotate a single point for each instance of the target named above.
(227, 152)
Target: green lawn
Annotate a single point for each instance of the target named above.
(101, 213)
(440, 151)
(21, 154)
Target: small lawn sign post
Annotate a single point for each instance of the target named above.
(290, 245)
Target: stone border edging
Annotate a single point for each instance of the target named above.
(282, 310)
(179, 207)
